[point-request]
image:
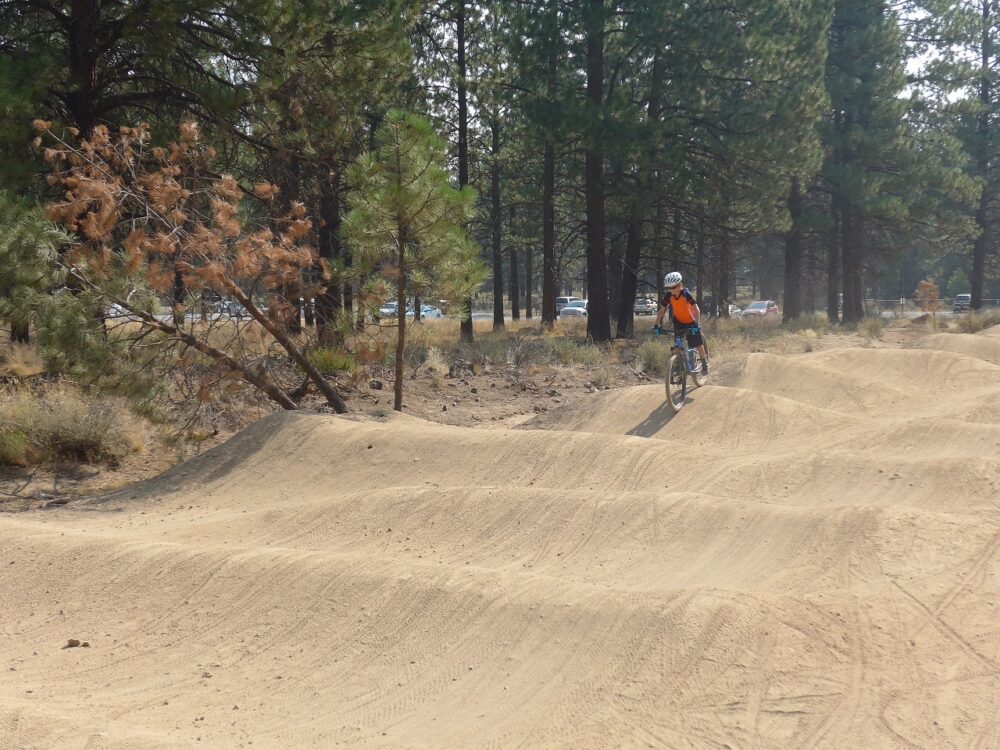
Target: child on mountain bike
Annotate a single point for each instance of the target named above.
(684, 312)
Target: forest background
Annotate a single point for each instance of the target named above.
(824, 153)
(820, 152)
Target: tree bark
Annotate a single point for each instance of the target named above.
(598, 320)
(852, 254)
(529, 282)
(397, 387)
(515, 285)
(833, 261)
(329, 302)
(495, 226)
(630, 277)
(281, 336)
(792, 307)
(19, 333)
(548, 238)
(982, 242)
(467, 333)
(84, 52)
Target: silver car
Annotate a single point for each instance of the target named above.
(575, 309)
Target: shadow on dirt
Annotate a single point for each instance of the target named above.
(655, 422)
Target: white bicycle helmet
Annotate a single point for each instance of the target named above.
(672, 279)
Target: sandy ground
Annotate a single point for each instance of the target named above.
(806, 557)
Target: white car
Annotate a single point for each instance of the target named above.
(561, 302)
(575, 309)
(645, 306)
(426, 311)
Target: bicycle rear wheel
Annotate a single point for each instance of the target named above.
(676, 381)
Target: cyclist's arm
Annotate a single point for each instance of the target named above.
(661, 312)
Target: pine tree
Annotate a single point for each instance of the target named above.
(404, 212)
(28, 248)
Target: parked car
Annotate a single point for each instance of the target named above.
(735, 312)
(426, 311)
(575, 309)
(645, 306)
(962, 303)
(387, 310)
(561, 302)
(762, 308)
(230, 308)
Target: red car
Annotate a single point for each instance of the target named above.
(762, 308)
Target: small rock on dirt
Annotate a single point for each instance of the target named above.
(376, 385)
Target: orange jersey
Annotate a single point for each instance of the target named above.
(682, 309)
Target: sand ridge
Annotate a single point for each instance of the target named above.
(808, 558)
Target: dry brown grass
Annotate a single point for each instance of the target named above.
(20, 361)
(56, 423)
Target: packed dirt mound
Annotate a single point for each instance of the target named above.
(807, 559)
(984, 345)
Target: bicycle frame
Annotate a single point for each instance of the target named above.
(680, 343)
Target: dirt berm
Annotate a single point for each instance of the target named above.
(805, 559)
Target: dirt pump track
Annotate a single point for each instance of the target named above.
(806, 557)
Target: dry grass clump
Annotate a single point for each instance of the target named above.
(870, 327)
(815, 322)
(57, 423)
(652, 356)
(20, 361)
(978, 321)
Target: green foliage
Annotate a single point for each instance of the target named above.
(404, 211)
(13, 448)
(652, 356)
(565, 350)
(329, 361)
(28, 247)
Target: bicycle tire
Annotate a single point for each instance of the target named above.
(699, 376)
(676, 381)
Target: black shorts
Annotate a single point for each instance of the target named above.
(694, 339)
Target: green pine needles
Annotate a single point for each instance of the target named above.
(408, 220)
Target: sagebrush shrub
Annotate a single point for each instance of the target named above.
(58, 424)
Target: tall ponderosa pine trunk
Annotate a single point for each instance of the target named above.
(495, 225)
(548, 197)
(329, 302)
(981, 245)
(793, 254)
(463, 136)
(630, 278)
(833, 261)
(397, 386)
(548, 238)
(637, 214)
(84, 52)
(529, 281)
(851, 263)
(515, 286)
(598, 321)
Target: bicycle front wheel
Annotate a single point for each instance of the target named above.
(698, 374)
(676, 381)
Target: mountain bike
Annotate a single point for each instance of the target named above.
(683, 362)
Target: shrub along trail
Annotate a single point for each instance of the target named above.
(809, 557)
